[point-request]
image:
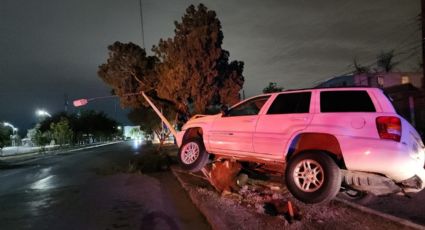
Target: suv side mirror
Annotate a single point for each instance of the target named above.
(224, 110)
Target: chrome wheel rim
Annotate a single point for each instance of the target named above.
(190, 153)
(308, 175)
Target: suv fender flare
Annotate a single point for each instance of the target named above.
(193, 132)
(324, 142)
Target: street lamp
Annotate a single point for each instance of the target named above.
(42, 113)
(13, 137)
(84, 101)
(14, 129)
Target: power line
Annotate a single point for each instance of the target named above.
(402, 44)
(410, 48)
(141, 24)
(411, 52)
(406, 39)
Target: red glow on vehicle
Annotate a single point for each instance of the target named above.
(389, 128)
(80, 102)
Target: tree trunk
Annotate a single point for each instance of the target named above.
(161, 138)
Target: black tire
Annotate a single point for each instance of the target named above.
(321, 169)
(197, 161)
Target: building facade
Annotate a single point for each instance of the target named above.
(388, 79)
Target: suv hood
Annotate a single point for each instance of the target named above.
(200, 119)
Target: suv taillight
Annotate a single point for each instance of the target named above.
(389, 128)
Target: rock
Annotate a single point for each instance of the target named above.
(242, 179)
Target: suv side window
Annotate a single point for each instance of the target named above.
(248, 108)
(291, 103)
(346, 101)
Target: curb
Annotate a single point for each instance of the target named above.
(92, 146)
(389, 217)
(218, 224)
(215, 223)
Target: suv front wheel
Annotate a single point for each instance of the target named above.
(313, 177)
(192, 155)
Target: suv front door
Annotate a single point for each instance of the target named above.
(233, 131)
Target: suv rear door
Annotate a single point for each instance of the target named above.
(288, 114)
(347, 113)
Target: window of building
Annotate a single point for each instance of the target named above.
(405, 80)
(291, 103)
(346, 101)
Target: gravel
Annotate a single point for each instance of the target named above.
(245, 209)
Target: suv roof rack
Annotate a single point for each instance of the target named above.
(331, 87)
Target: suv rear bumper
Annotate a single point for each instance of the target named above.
(413, 184)
(395, 160)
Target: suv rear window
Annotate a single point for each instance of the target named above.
(346, 101)
(291, 103)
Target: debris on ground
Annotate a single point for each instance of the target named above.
(256, 198)
(284, 208)
(226, 177)
(223, 175)
(261, 204)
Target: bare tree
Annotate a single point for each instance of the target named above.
(385, 61)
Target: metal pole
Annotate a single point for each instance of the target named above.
(170, 127)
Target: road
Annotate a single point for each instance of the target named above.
(81, 190)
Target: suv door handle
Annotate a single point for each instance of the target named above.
(300, 118)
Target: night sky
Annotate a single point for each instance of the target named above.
(50, 48)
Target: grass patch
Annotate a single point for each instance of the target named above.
(151, 162)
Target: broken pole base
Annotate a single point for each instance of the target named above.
(222, 175)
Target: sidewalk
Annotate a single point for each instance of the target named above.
(15, 150)
(22, 152)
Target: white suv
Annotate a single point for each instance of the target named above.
(327, 138)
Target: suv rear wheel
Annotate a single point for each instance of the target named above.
(313, 177)
(192, 155)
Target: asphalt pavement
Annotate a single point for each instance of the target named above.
(72, 191)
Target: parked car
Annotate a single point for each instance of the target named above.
(328, 139)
